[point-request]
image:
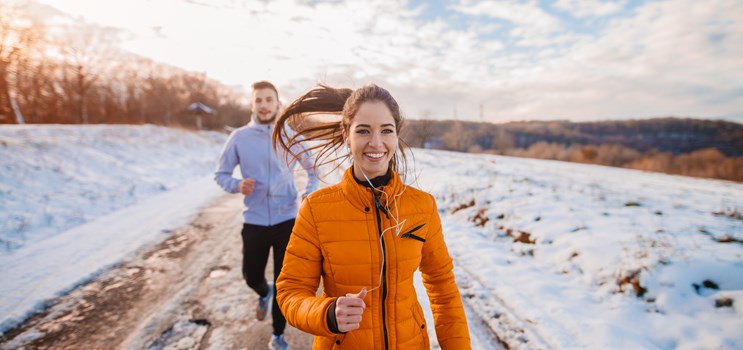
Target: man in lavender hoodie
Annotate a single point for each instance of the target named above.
(270, 199)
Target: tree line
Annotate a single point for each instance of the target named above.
(77, 75)
(683, 146)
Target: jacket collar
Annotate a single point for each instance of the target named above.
(252, 124)
(378, 181)
(361, 197)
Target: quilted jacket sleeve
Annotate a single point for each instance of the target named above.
(300, 277)
(438, 277)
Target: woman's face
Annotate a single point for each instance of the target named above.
(373, 139)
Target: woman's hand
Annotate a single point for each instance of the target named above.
(348, 311)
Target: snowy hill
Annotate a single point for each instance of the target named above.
(55, 177)
(565, 249)
(549, 254)
(76, 199)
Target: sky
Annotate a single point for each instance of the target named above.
(491, 61)
(562, 291)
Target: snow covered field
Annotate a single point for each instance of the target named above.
(549, 254)
(77, 199)
(62, 176)
(592, 257)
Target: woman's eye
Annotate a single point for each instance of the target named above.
(388, 131)
(364, 132)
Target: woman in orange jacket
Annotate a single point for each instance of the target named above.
(365, 236)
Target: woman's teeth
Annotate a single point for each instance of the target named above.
(374, 155)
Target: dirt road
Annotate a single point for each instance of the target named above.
(185, 293)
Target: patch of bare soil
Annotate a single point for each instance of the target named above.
(184, 293)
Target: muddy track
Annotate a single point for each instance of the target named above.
(184, 293)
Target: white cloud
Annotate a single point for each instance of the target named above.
(590, 8)
(664, 58)
(668, 58)
(531, 22)
(678, 57)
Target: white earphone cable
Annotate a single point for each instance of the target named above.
(398, 225)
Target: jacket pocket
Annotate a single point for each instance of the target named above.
(420, 322)
(410, 233)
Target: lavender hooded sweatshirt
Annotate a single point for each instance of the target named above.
(274, 198)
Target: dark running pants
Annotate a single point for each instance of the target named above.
(257, 241)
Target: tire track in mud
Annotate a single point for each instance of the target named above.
(496, 318)
(186, 292)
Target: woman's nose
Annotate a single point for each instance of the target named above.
(376, 140)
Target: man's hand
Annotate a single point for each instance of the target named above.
(246, 186)
(348, 311)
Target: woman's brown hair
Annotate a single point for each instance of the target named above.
(324, 100)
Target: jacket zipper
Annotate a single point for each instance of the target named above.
(268, 189)
(378, 206)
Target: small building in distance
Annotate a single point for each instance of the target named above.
(200, 110)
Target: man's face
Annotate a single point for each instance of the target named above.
(265, 105)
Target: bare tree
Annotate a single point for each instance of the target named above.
(163, 95)
(456, 139)
(88, 52)
(503, 140)
(425, 128)
(18, 33)
(79, 77)
(417, 132)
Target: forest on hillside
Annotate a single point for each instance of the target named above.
(76, 74)
(683, 146)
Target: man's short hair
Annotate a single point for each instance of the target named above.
(265, 85)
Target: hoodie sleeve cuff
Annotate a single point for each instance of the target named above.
(330, 317)
(235, 185)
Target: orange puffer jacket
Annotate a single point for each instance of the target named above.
(337, 237)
